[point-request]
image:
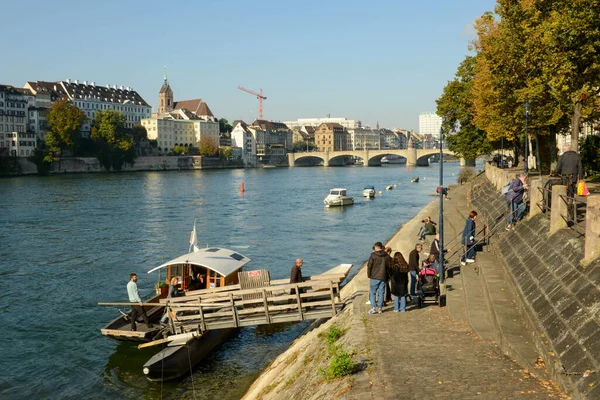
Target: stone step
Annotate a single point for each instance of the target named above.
(478, 311)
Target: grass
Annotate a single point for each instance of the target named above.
(341, 365)
(333, 334)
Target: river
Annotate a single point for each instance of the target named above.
(69, 242)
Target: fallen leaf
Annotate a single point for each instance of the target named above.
(586, 373)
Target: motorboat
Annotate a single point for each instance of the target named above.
(415, 179)
(369, 192)
(338, 197)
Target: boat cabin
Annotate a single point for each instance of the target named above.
(208, 268)
(338, 192)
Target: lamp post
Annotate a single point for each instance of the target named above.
(441, 205)
(526, 107)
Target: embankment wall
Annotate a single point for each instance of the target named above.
(560, 295)
(74, 165)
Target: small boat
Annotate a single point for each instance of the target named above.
(415, 180)
(338, 197)
(369, 192)
(389, 187)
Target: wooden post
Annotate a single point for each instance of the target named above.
(266, 304)
(337, 288)
(332, 299)
(202, 321)
(299, 300)
(233, 311)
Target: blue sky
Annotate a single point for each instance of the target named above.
(373, 60)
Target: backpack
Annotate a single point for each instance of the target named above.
(506, 188)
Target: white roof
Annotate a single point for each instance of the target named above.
(222, 261)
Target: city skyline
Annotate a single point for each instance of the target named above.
(387, 63)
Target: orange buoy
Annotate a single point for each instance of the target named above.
(242, 189)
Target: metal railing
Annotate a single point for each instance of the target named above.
(574, 214)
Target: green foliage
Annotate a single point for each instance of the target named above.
(139, 131)
(456, 106)
(207, 146)
(332, 334)
(225, 152)
(224, 126)
(64, 121)
(114, 145)
(304, 145)
(341, 365)
(590, 154)
(181, 150)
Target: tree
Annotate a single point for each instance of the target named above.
(65, 121)
(207, 146)
(225, 152)
(181, 150)
(139, 131)
(456, 106)
(224, 126)
(113, 144)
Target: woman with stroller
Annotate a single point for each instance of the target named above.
(398, 273)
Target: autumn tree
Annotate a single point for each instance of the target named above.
(181, 150)
(456, 107)
(207, 146)
(114, 145)
(64, 121)
(225, 152)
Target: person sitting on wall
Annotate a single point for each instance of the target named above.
(428, 228)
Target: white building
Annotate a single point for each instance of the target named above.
(15, 137)
(170, 131)
(346, 123)
(242, 138)
(364, 139)
(89, 98)
(430, 124)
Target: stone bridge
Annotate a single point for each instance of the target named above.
(419, 157)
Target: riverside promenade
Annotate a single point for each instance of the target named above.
(456, 352)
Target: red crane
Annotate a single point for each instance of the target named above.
(259, 96)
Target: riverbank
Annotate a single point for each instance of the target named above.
(424, 353)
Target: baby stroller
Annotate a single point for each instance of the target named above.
(429, 287)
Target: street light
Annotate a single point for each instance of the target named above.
(441, 231)
(526, 107)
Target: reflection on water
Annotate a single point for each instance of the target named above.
(71, 241)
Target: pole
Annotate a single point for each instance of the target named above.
(502, 152)
(525, 166)
(441, 206)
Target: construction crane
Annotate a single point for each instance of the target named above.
(259, 96)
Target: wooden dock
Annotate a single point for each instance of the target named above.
(252, 302)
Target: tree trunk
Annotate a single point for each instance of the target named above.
(575, 123)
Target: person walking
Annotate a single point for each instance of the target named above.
(136, 303)
(413, 264)
(570, 169)
(468, 239)
(377, 268)
(398, 273)
(514, 200)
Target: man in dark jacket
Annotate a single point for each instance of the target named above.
(413, 265)
(468, 239)
(571, 171)
(377, 269)
(514, 200)
(296, 274)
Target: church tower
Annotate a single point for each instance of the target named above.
(165, 97)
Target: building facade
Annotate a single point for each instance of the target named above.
(315, 122)
(331, 137)
(89, 98)
(430, 124)
(243, 139)
(16, 136)
(364, 139)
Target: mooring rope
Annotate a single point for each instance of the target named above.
(191, 372)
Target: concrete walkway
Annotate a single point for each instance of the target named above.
(457, 352)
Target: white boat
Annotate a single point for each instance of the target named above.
(369, 192)
(389, 187)
(338, 197)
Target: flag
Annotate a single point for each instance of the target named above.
(194, 239)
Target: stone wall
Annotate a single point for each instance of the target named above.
(560, 293)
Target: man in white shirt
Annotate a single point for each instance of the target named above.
(134, 297)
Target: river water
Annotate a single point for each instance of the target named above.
(69, 242)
